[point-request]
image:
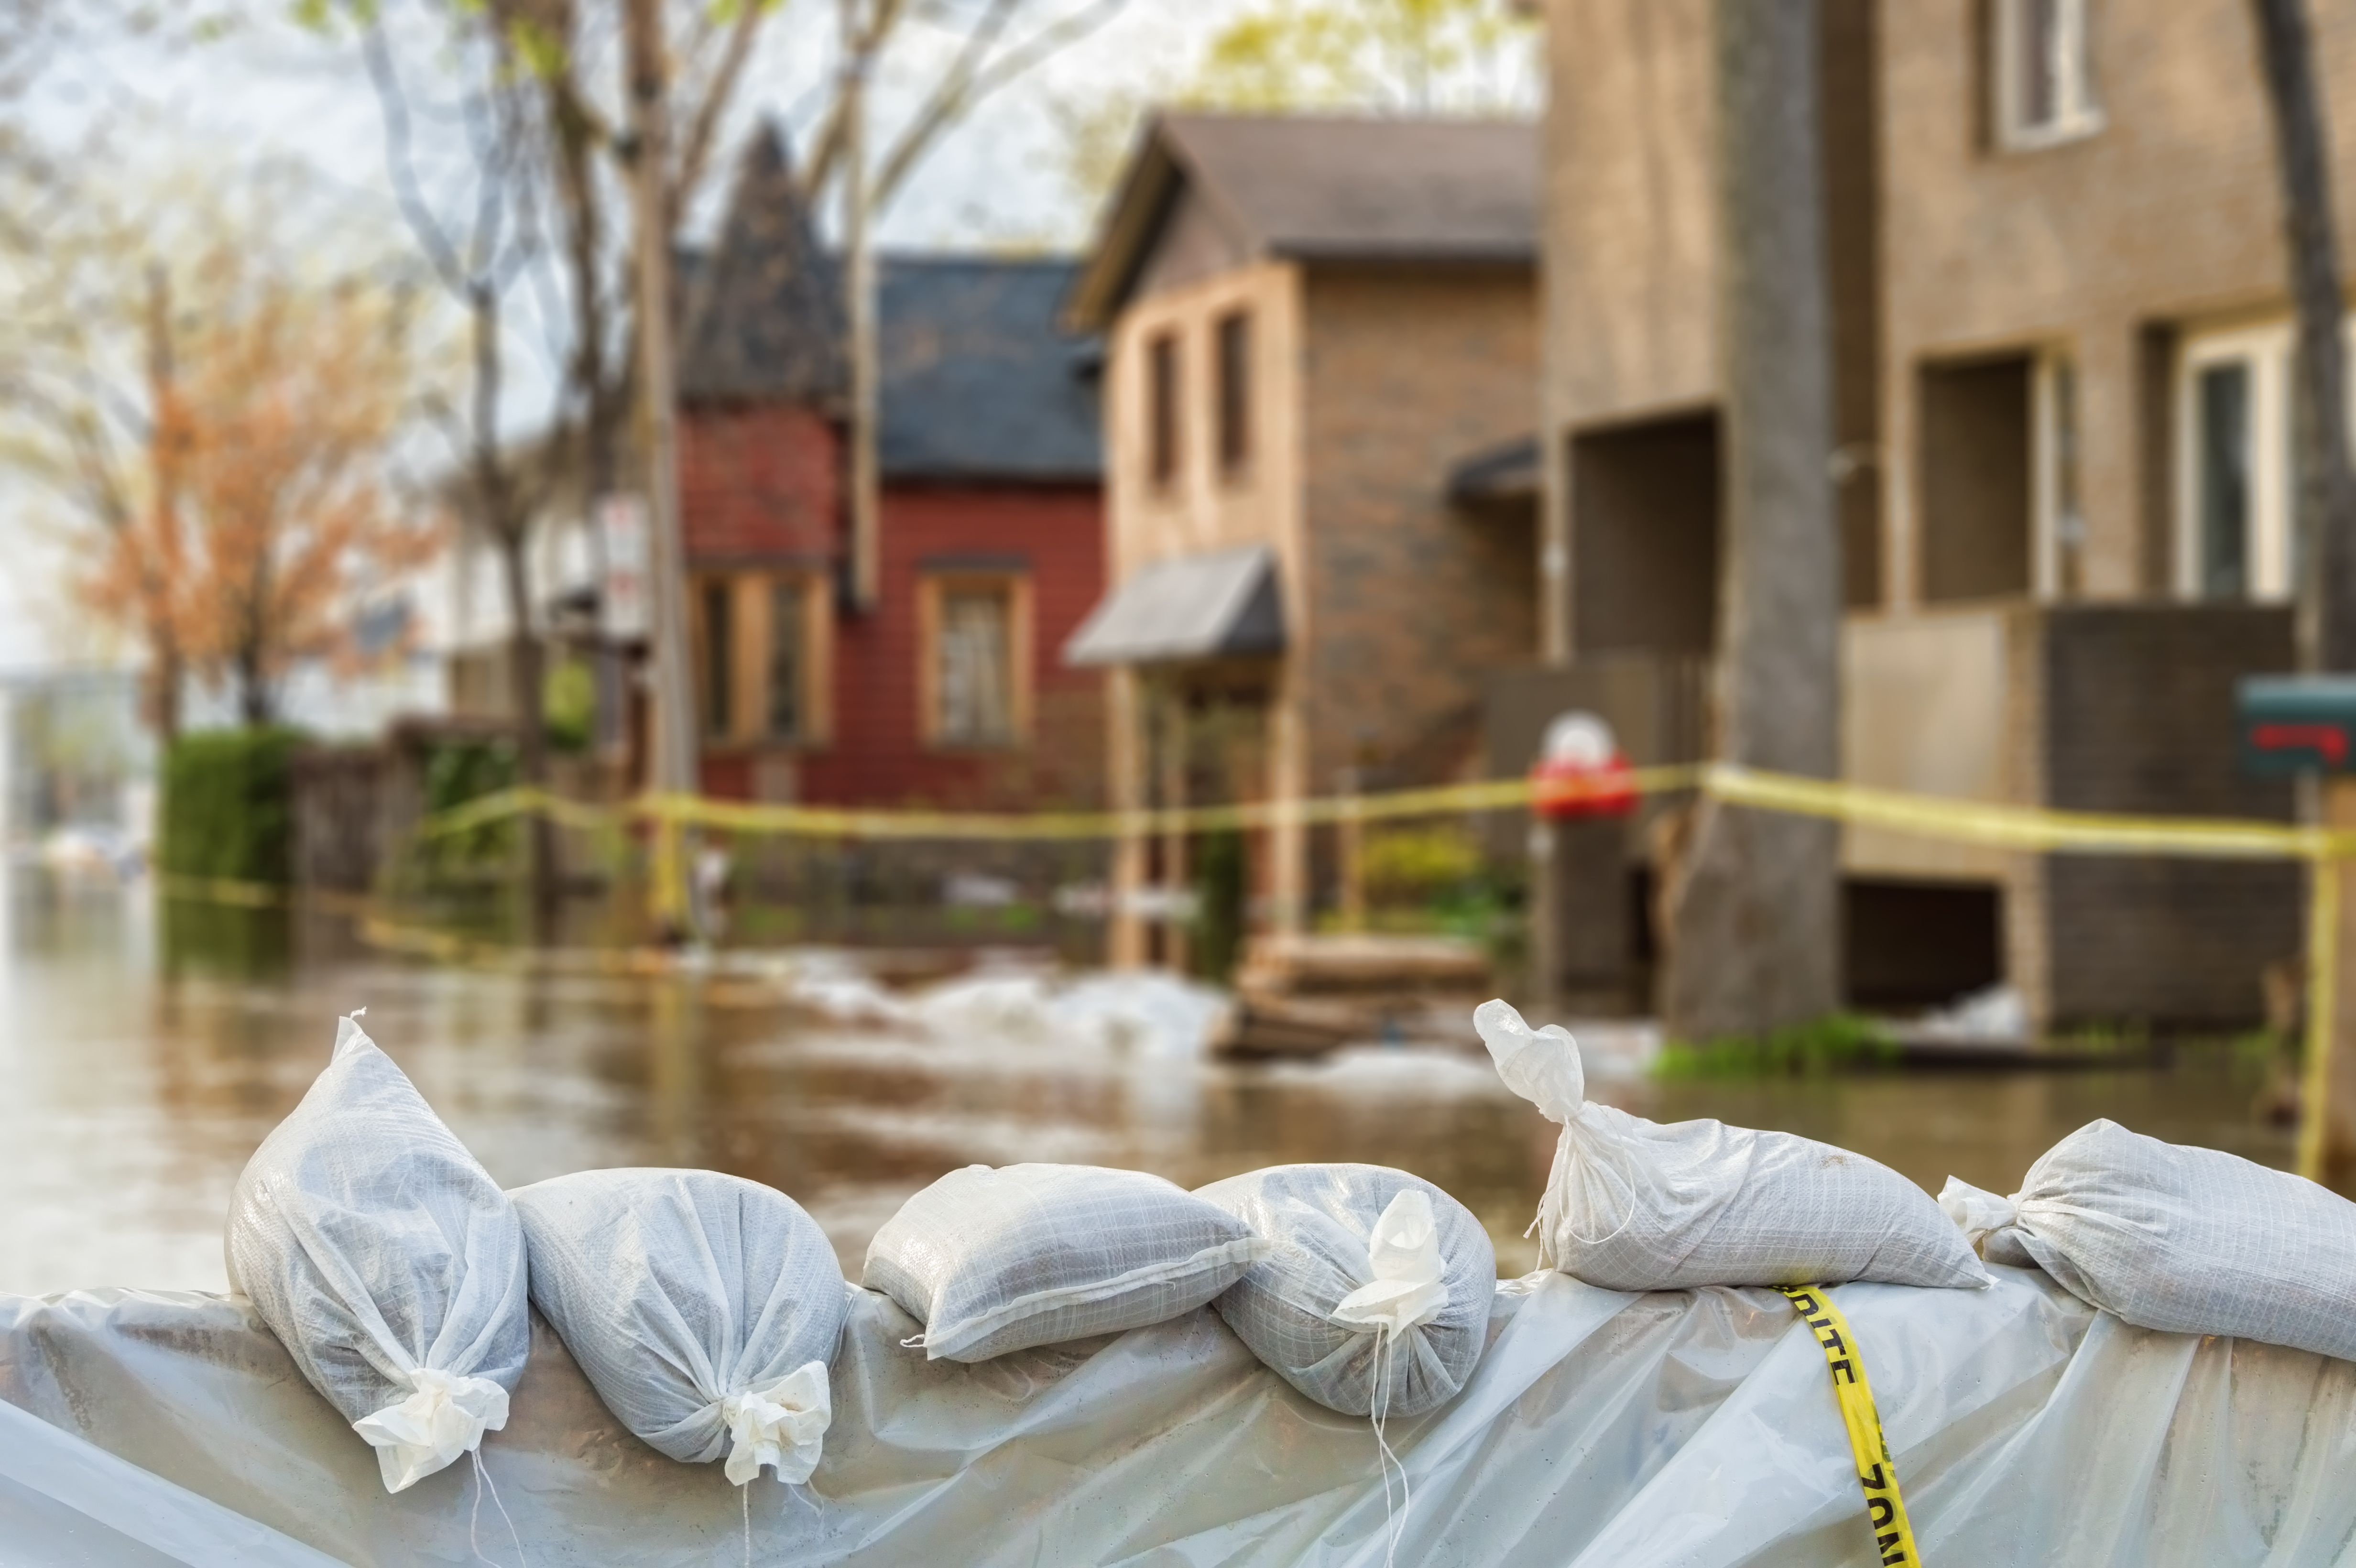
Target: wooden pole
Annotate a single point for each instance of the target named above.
(674, 769)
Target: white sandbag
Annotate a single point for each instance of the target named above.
(1366, 1259)
(2187, 1240)
(1635, 1205)
(702, 1308)
(386, 1260)
(996, 1260)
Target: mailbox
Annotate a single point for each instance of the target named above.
(2297, 724)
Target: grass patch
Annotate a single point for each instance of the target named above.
(1839, 1043)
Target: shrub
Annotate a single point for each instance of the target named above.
(1838, 1042)
(229, 807)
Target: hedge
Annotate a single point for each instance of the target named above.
(227, 806)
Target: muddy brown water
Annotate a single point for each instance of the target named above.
(141, 1058)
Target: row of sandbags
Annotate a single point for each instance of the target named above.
(2188, 1240)
(705, 1309)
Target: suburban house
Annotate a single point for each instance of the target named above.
(1319, 334)
(947, 690)
(2062, 352)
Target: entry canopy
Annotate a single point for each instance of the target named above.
(1216, 604)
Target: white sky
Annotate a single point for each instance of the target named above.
(270, 91)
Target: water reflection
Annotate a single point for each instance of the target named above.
(144, 1053)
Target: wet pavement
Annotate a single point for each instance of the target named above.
(143, 1056)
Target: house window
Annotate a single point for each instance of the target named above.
(762, 658)
(1234, 410)
(2044, 72)
(2236, 478)
(975, 676)
(719, 659)
(1161, 410)
(788, 661)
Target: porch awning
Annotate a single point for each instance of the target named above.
(1218, 605)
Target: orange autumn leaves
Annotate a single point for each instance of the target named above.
(269, 519)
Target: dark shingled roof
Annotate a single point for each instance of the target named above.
(979, 380)
(767, 317)
(1324, 187)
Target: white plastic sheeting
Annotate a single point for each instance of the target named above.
(1600, 1431)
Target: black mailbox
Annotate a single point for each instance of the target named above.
(2298, 723)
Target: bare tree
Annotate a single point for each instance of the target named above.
(1754, 930)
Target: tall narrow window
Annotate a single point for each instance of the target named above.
(788, 661)
(1234, 422)
(1161, 410)
(2043, 69)
(719, 659)
(2224, 492)
(976, 676)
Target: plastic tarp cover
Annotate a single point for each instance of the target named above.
(1600, 1430)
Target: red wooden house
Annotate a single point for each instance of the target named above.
(948, 691)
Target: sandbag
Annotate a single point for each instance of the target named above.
(1635, 1205)
(386, 1260)
(996, 1260)
(704, 1309)
(1365, 1260)
(2187, 1240)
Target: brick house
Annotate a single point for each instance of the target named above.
(1311, 323)
(948, 691)
(2062, 352)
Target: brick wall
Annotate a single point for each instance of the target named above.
(1411, 602)
(1055, 536)
(2130, 709)
(759, 480)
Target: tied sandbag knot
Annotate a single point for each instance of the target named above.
(782, 1426)
(1408, 1286)
(444, 1415)
(1979, 1214)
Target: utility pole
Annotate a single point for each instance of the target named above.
(165, 436)
(859, 281)
(674, 725)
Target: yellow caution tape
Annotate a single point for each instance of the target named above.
(1894, 1533)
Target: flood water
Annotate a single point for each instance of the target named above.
(141, 1058)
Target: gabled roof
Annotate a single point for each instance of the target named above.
(979, 379)
(767, 321)
(1322, 188)
(1221, 604)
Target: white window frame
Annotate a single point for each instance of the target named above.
(2076, 113)
(2056, 519)
(2267, 350)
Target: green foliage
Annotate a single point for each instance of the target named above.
(228, 808)
(1417, 865)
(1419, 55)
(456, 772)
(568, 705)
(1219, 866)
(1838, 1042)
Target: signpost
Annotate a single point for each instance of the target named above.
(2306, 725)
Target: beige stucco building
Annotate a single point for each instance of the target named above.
(2063, 363)
(1311, 325)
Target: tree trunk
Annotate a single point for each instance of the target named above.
(2327, 487)
(1754, 906)
(2326, 522)
(528, 684)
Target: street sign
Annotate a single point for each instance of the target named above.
(622, 595)
(2297, 724)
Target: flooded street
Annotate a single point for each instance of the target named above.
(142, 1059)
